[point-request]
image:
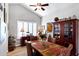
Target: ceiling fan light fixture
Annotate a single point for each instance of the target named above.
(40, 6)
(35, 9)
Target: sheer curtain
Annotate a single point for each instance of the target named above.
(19, 27)
(25, 28)
(30, 27)
(34, 29)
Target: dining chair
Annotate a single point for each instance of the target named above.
(29, 48)
(50, 39)
(66, 51)
(63, 52)
(53, 40)
(70, 47)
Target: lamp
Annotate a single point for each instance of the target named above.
(41, 28)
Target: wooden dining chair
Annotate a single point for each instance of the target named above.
(50, 39)
(29, 48)
(63, 52)
(70, 47)
(66, 51)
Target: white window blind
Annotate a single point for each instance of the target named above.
(30, 27)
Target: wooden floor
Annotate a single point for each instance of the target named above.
(19, 51)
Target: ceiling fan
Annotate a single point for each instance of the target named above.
(40, 6)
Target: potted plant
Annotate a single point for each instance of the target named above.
(11, 43)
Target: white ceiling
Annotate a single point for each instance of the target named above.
(40, 12)
(51, 8)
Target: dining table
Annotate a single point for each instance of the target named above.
(47, 48)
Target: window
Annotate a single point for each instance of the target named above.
(30, 27)
(34, 29)
(23, 27)
(19, 26)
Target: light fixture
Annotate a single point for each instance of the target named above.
(40, 6)
(41, 28)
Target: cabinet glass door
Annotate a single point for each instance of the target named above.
(57, 31)
(68, 28)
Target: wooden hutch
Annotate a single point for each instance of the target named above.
(66, 32)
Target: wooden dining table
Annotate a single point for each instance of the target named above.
(47, 48)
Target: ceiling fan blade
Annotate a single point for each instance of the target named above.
(35, 9)
(45, 4)
(33, 5)
(43, 9)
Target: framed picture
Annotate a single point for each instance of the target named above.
(49, 27)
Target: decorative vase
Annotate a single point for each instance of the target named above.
(56, 18)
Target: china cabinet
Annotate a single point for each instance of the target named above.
(66, 32)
